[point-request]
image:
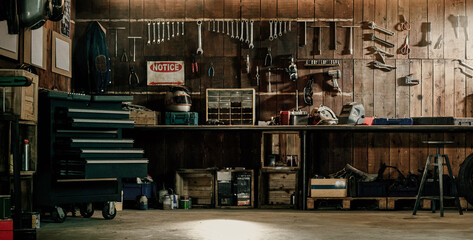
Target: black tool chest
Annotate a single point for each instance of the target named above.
(82, 155)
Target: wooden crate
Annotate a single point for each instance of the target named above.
(345, 203)
(276, 188)
(199, 184)
(284, 144)
(146, 117)
(21, 101)
(252, 189)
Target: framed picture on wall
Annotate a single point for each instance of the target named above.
(8, 42)
(61, 54)
(35, 47)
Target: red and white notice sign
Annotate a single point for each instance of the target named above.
(165, 73)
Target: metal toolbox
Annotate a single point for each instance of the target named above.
(231, 106)
(181, 118)
(82, 153)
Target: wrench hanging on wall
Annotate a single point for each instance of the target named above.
(251, 46)
(199, 26)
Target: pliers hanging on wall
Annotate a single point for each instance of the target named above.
(211, 71)
(195, 67)
(133, 76)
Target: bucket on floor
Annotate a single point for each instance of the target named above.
(167, 202)
(143, 202)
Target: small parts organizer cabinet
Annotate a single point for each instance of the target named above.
(81, 150)
(235, 188)
(279, 174)
(231, 106)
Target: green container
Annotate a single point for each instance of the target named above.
(5, 207)
(184, 204)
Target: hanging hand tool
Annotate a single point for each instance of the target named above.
(247, 41)
(268, 60)
(404, 25)
(124, 57)
(285, 27)
(275, 36)
(233, 36)
(439, 43)
(195, 67)
(280, 28)
(169, 32)
(172, 26)
(429, 33)
(334, 36)
(251, 46)
(381, 53)
(182, 23)
(380, 65)
(335, 75)
(308, 92)
(350, 38)
(177, 29)
(218, 26)
(405, 49)
(464, 72)
(116, 38)
(149, 34)
(271, 30)
(269, 80)
(464, 64)
(292, 70)
(289, 25)
(213, 26)
(154, 32)
(209, 27)
(237, 36)
(228, 28)
(319, 38)
(134, 46)
(159, 37)
(133, 77)
(199, 26)
(257, 76)
(223, 27)
(409, 80)
(372, 37)
(242, 28)
(373, 26)
(247, 63)
(162, 38)
(211, 71)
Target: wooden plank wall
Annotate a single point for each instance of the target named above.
(443, 90)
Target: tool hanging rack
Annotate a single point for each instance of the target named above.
(299, 20)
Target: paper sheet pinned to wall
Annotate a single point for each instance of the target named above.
(8, 42)
(37, 47)
(62, 54)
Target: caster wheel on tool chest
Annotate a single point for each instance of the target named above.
(109, 211)
(58, 215)
(87, 210)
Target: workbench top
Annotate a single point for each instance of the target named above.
(362, 128)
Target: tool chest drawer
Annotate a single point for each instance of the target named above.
(85, 137)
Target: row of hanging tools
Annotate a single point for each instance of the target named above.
(157, 31)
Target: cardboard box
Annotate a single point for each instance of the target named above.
(21, 101)
(331, 187)
(146, 117)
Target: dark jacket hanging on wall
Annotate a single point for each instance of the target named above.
(91, 62)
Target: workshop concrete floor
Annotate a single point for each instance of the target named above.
(262, 224)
